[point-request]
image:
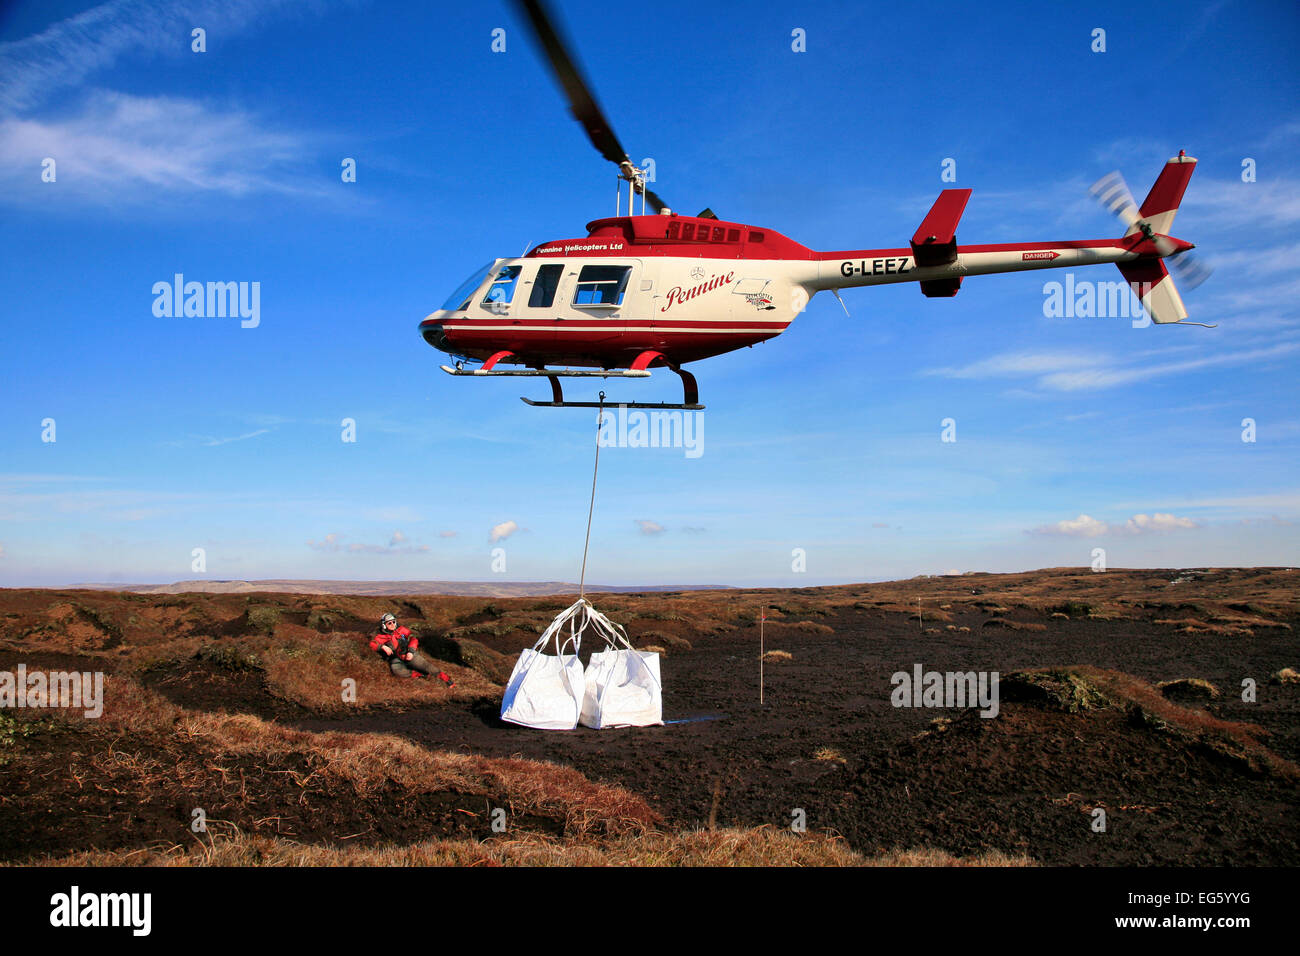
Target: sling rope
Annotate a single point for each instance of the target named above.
(582, 580)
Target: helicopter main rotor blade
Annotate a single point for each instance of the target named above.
(581, 101)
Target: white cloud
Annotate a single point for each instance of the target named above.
(447, 534)
(1084, 526)
(650, 527)
(396, 539)
(503, 530)
(329, 543)
(1156, 522)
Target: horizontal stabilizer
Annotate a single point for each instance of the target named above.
(940, 288)
(935, 242)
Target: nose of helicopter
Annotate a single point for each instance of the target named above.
(435, 335)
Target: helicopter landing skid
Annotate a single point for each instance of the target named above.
(690, 397)
(690, 389)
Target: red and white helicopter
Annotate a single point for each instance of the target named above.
(661, 290)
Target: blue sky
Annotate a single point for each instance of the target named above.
(1072, 434)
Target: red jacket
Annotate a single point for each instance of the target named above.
(402, 641)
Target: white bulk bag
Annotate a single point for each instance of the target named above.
(623, 690)
(622, 684)
(545, 690)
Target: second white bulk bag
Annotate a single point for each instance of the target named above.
(623, 690)
(622, 686)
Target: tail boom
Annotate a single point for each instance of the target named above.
(939, 264)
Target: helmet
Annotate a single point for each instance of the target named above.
(386, 618)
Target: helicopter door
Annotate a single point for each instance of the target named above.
(601, 294)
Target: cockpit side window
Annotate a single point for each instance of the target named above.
(601, 285)
(459, 300)
(548, 280)
(502, 289)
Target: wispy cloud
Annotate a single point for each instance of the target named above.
(397, 544)
(1080, 371)
(1231, 203)
(1286, 500)
(1100, 377)
(36, 69)
(649, 527)
(209, 441)
(123, 147)
(390, 549)
(1262, 260)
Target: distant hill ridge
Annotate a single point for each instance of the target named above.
(383, 588)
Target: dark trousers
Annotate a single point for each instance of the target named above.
(418, 662)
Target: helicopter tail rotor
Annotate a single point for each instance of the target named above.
(1155, 218)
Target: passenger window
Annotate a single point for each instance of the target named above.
(548, 280)
(502, 289)
(601, 285)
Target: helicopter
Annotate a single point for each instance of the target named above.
(661, 289)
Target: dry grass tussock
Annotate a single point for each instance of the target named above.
(310, 669)
(311, 674)
(372, 762)
(762, 846)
